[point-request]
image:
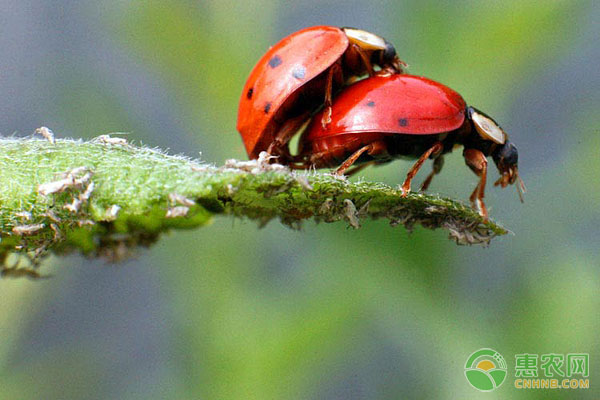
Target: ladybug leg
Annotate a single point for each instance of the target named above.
(351, 160)
(438, 163)
(279, 145)
(335, 69)
(435, 149)
(476, 160)
(372, 149)
(365, 59)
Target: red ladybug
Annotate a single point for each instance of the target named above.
(298, 75)
(403, 116)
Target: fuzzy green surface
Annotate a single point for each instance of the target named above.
(139, 181)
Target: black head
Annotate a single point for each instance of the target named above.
(389, 58)
(506, 158)
(389, 53)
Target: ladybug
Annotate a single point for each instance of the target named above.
(298, 75)
(403, 116)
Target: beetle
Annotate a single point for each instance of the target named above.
(298, 75)
(385, 117)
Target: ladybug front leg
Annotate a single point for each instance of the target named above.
(438, 163)
(476, 160)
(335, 69)
(435, 149)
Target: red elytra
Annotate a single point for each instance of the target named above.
(393, 104)
(402, 116)
(298, 75)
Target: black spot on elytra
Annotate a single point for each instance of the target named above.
(403, 122)
(249, 94)
(371, 104)
(299, 72)
(275, 62)
(267, 108)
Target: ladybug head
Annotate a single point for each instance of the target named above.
(503, 151)
(390, 58)
(381, 51)
(506, 159)
(389, 53)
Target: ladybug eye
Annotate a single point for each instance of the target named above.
(487, 127)
(366, 40)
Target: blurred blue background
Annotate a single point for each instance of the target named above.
(231, 311)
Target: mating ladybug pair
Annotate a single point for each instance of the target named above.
(387, 115)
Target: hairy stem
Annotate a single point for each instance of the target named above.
(106, 196)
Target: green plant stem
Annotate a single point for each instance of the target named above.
(105, 197)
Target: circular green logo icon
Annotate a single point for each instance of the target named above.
(485, 370)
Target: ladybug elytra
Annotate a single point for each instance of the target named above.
(298, 75)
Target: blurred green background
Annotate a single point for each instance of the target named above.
(231, 311)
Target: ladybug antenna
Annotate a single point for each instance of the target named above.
(521, 189)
